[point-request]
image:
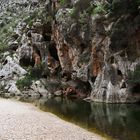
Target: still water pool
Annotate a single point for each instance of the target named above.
(120, 121)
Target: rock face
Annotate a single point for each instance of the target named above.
(98, 57)
(83, 48)
(9, 72)
(10, 68)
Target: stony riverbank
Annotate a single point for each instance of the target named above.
(25, 122)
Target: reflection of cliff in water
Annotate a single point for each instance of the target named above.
(117, 120)
(68, 109)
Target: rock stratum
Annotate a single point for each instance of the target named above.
(77, 49)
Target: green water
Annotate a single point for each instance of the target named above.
(120, 121)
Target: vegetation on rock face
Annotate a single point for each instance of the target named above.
(115, 8)
(99, 9)
(5, 33)
(74, 29)
(26, 82)
(10, 19)
(124, 32)
(80, 7)
(62, 2)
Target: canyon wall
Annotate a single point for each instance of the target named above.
(81, 49)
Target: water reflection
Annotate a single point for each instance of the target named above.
(120, 121)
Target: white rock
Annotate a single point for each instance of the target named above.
(13, 89)
(10, 68)
(58, 93)
(38, 87)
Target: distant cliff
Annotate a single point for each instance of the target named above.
(79, 49)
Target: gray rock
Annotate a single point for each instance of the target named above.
(58, 93)
(10, 68)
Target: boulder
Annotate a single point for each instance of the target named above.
(38, 87)
(11, 68)
(58, 93)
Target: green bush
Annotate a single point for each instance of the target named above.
(99, 9)
(26, 82)
(62, 2)
(5, 30)
(3, 47)
(72, 13)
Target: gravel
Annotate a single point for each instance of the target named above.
(23, 121)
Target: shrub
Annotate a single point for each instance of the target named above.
(5, 30)
(26, 82)
(3, 47)
(99, 9)
(72, 13)
(80, 7)
(62, 2)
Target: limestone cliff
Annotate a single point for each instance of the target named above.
(74, 48)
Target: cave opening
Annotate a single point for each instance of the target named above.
(53, 51)
(119, 73)
(47, 31)
(83, 45)
(47, 37)
(112, 59)
(26, 62)
(84, 86)
(93, 78)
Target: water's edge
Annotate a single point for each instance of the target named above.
(112, 121)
